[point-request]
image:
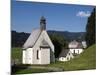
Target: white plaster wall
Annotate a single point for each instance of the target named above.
(84, 44)
(62, 59)
(24, 57)
(27, 56)
(35, 60)
(70, 55)
(77, 51)
(45, 56)
(45, 36)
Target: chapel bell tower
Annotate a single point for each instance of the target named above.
(43, 23)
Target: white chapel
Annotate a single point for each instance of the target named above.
(38, 48)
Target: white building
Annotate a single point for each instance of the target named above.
(75, 47)
(65, 55)
(38, 48)
(84, 44)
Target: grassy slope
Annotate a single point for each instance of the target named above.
(86, 60)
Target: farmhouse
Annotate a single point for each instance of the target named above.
(75, 47)
(65, 55)
(38, 48)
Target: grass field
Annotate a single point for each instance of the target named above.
(28, 71)
(23, 69)
(84, 61)
(16, 53)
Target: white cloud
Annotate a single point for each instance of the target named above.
(83, 14)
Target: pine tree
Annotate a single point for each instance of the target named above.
(91, 29)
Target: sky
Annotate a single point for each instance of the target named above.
(25, 16)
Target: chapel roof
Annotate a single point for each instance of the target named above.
(32, 39)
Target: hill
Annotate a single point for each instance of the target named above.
(69, 35)
(84, 61)
(18, 38)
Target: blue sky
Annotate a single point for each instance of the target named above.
(25, 16)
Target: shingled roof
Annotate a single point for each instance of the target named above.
(75, 44)
(64, 53)
(32, 39)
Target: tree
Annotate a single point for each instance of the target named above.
(91, 29)
(59, 43)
